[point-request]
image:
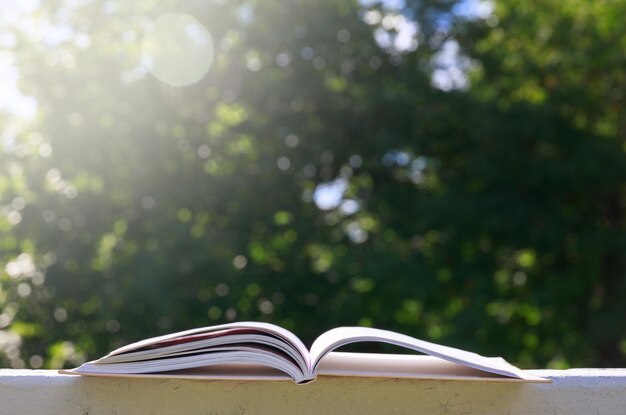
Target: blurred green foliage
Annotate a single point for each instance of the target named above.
(465, 186)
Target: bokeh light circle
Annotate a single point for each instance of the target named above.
(178, 49)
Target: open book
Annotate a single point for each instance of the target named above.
(253, 350)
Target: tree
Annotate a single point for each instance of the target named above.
(315, 177)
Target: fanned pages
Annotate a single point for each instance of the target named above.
(253, 350)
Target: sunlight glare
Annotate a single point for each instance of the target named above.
(178, 50)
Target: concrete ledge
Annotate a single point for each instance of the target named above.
(573, 392)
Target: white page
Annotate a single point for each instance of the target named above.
(403, 366)
(289, 337)
(338, 337)
(246, 356)
(232, 341)
(241, 371)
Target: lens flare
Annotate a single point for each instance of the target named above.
(178, 50)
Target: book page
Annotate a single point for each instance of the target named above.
(222, 359)
(341, 336)
(223, 331)
(401, 366)
(201, 344)
(239, 371)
